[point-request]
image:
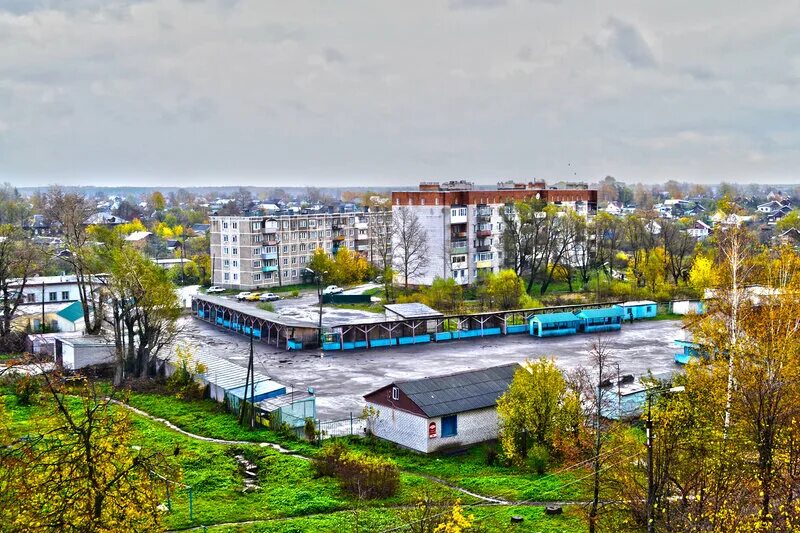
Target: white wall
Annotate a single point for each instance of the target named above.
(436, 225)
(472, 427)
(411, 431)
(401, 427)
(79, 356)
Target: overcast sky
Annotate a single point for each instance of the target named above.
(369, 92)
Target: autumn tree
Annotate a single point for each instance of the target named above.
(145, 307)
(69, 211)
(503, 290)
(77, 468)
(157, 201)
(410, 244)
(444, 294)
(19, 261)
(537, 406)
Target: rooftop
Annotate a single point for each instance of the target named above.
(463, 391)
(253, 311)
(413, 310)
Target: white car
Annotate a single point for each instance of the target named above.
(243, 295)
(332, 289)
(269, 297)
(214, 288)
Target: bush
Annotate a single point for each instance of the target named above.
(295, 293)
(360, 475)
(538, 458)
(310, 430)
(24, 387)
(491, 456)
(182, 382)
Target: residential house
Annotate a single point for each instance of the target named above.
(444, 412)
(699, 230)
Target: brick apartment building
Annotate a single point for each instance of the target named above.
(253, 252)
(464, 224)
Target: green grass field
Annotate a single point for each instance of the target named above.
(290, 498)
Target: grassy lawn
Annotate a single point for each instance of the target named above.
(468, 469)
(485, 518)
(287, 484)
(8, 356)
(373, 307)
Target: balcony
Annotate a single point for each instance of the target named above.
(338, 238)
(269, 268)
(458, 248)
(459, 234)
(483, 233)
(486, 263)
(269, 255)
(483, 248)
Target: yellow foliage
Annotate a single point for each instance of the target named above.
(457, 522)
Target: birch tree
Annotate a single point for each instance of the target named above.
(411, 244)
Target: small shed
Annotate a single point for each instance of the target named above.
(291, 408)
(687, 307)
(443, 412)
(690, 351)
(640, 309)
(261, 391)
(74, 353)
(605, 319)
(553, 324)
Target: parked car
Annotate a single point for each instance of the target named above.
(332, 289)
(215, 288)
(243, 295)
(269, 297)
(253, 297)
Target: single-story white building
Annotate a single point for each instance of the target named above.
(449, 411)
(74, 353)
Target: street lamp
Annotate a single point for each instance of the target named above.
(319, 276)
(649, 428)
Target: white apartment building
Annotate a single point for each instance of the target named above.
(464, 225)
(255, 252)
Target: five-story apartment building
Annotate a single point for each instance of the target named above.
(253, 252)
(464, 225)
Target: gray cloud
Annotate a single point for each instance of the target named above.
(308, 92)
(626, 41)
(477, 4)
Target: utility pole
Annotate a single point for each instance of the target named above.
(252, 381)
(650, 485)
(319, 294)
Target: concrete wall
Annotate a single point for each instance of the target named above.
(472, 427)
(79, 356)
(401, 427)
(411, 431)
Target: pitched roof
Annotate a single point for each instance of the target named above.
(72, 312)
(612, 311)
(550, 318)
(413, 310)
(463, 391)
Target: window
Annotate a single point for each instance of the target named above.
(285, 249)
(227, 276)
(236, 276)
(235, 251)
(65, 295)
(449, 426)
(234, 238)
(395, 393)
(256, 226)
(256, 264)
(235, 263)
(53, 296)
(257, 277)
(225, 250)
(224, 238)
(225, 225)
(235, 225)
(30, 298)
(226, 262)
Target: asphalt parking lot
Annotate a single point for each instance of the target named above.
(342, 378)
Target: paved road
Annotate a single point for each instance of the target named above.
(342, 378)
